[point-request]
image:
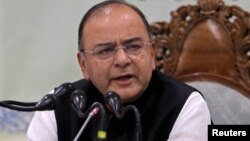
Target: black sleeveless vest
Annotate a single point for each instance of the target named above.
(159, 106)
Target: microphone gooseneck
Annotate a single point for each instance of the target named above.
(78, 101)
(48, 102)
(112, 102)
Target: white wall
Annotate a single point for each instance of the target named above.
(38, 41)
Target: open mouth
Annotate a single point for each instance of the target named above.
(124, 78)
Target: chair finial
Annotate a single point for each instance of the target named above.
(209, 6)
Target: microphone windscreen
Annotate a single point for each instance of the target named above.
(112, 102)
(78, 100)
(64, 90)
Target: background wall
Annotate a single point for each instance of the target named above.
(38, 42)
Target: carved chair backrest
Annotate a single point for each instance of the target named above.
(207, 44)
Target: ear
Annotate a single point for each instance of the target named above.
(153, 52)
(82, 64)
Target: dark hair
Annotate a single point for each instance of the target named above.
(101, 5)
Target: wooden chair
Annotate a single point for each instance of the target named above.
(208, 46)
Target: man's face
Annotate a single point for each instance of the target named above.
(125, 73)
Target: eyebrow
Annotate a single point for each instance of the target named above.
(104, 44)
(134, 39)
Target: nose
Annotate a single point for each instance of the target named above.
(121, 58)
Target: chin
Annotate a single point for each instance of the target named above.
(128, 97)
(128, 94)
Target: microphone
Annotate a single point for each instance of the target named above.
(78, 102)
(112, 102)
(48, 102)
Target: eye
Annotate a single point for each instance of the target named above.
(133, 47)
(104, 50)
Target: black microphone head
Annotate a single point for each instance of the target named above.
(64, 90)
(112, 102)
(78, 101)
(60, 92)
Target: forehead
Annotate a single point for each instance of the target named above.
(113, 22)
(114, 12)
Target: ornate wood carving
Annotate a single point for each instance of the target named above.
(175, 41)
